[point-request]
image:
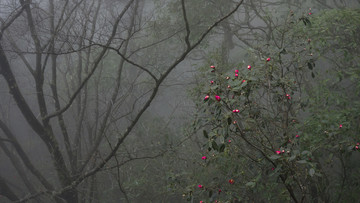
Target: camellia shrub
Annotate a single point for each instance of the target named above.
(274, 128)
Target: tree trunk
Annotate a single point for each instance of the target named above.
(69, 196)
(6, 191)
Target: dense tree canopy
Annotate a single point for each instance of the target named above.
(283, 125)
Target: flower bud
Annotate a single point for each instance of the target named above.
(217, 97)
(206, 97)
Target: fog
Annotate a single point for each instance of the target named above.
(103, 101)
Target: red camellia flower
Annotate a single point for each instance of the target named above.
(297, 136)
(278, 152)
(212, 67)
(201, 201)
(236, 111)
(206, 97)
(249, 67)
(229, 141)
(236, 75)
(236, 71)
(288, 96)
(204, 158)
(212, 82)
(217, 97)
(243, 81)
(340, 126)
(219, 190)
(231, 181)
(268, 59)
(200, 186)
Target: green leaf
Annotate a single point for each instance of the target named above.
(292, 157)
(215, 146)
(318, 174)
(221, 139)
(283, 51)
(295, 152)
(310, 66)
(234, 83)
(236, 89)
(205, 134)
(311, 172)
(331, 155)
(222, 148)
(305, 152)
(302, 162)
(217, 112)
(214, 87)
(229, 120)
(274, 157)
(250, 184)
(244, 84)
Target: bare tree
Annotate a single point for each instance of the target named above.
(87, 78)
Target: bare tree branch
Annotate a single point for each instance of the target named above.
(6, 191)
(188, 46)
(5, 25)
(97, 61)
(11, 137)
(143, 109)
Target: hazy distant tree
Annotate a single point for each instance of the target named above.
(84, 88)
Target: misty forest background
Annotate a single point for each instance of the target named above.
(179, 101)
